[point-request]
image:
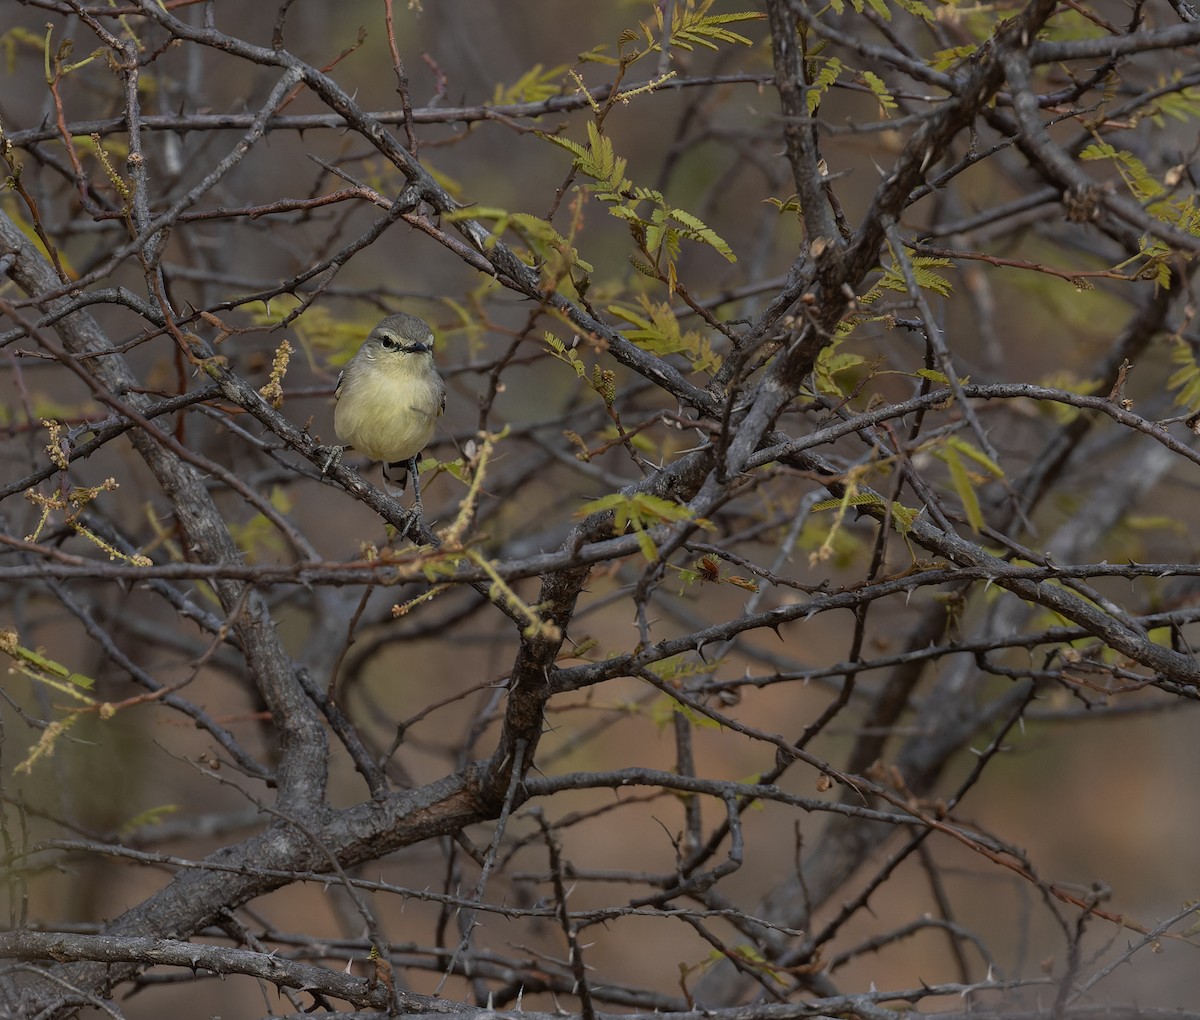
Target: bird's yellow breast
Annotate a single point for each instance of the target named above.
(387, 405)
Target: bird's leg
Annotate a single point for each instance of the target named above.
(413, 516)
(412, 473)
(335, 457)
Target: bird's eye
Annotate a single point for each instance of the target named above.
(388, 342)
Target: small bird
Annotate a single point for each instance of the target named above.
(389, 396)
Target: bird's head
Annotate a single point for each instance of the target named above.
(400, 334)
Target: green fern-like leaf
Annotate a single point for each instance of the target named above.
(943, 60)
(790, 204)
(694, 26)
(45, 670)
(880, 91)
(574, 148)
(1186, 378)
(643, 267)
(533, 86)
(916, 8)
(1183, 105)
(964, 487)
(821, 84)
(640, 512)
(858, 499)
(145, 819)
(1181, 212)
(597, 55)
(922, 267)
(969, 450)
(565, 354)
(830, 362)
(599, 161)
(903, 517)
(954, 452)
(555, 250)
(694, 229)
(1138, 179)
(658, 232)
(656, 330)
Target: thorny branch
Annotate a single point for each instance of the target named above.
(884, 498)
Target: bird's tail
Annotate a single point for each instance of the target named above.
(396, 475)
